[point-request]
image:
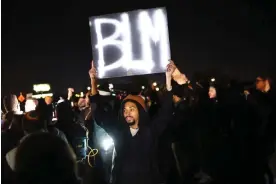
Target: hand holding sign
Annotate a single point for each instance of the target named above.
(179, 77)
(93, 71)
(170, 69)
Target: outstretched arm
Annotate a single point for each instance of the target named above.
(164, 115)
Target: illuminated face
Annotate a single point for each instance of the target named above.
(30, 105)
(48, 100)
(212, 92)
(260, 84)
(131, 113)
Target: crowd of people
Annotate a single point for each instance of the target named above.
(183, 134)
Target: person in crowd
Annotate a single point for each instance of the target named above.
(135, 138)
(12, 113)
(263, 103)
(48, 100)
(44, 158)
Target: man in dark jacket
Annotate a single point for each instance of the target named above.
(135, 137)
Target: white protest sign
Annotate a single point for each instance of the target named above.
(130, 43)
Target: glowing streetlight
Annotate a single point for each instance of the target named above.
(88, 88)
(157, 89)
(213, 80)
(154, 84)
(143, 87)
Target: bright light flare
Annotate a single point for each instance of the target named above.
(157, 89)
(154, 84)
(88, 88)
(213, 80)
(107, 143)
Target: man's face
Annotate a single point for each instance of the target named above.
(131, 113)
(212, 92)
(260, 84)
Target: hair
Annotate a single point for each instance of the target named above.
(265, 77)
(43, 158)
(32, 122)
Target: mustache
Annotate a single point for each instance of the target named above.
(128, 117)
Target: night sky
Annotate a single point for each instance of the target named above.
(49, 41)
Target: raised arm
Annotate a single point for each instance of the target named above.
(164, 115)
(104, 113)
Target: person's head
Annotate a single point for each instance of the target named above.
(48, 100)
(104, 89)
(176, 99)
(263, 84)
(32, 123)
(212, 92)
(81, 103)
(45, 158)
(11, 103)
(133, 106)
(30, 104)
(87, 99)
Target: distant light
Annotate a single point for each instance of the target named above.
(98, 85)
(42, 95)
(111, 86)
(41, 87)
(88, 88)
(81, 94)
(77, 95)
(157, 89)
(113, 94)
(143, 87)
(154, 84)
(213, 80)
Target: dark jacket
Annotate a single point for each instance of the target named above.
(136, 156)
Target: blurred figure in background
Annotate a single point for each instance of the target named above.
(44, 158)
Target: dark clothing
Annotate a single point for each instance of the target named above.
(136, 155)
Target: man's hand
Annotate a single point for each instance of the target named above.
(70, 93)
(93, 71)
(170, 69)
(179, 77)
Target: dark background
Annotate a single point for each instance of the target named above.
(49, 41)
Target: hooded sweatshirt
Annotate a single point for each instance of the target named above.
(135, 160)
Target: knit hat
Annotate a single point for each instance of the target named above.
(137, 99)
